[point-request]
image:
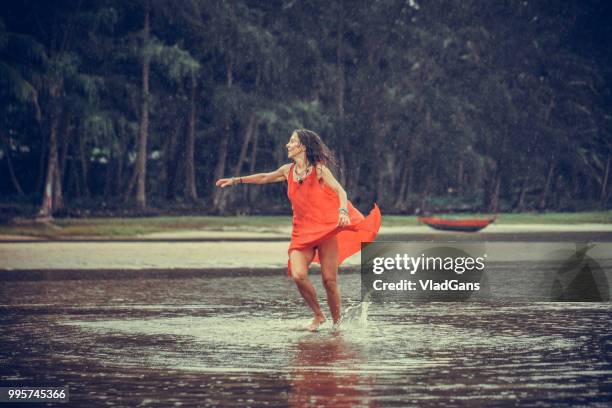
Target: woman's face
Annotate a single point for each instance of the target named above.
(294, 147)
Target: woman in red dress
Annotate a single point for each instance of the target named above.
(326, 227)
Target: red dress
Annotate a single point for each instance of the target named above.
(315, 219)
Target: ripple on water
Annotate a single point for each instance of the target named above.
(223, 336)
(256, 341)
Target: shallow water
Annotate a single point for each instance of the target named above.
(232, 341)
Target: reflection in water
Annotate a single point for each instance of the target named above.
(325, 371)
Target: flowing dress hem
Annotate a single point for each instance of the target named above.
(349, 241)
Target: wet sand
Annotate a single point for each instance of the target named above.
(216, 255)
(252, 250)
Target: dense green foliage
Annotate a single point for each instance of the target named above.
(429, 106)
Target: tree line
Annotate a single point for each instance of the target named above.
(428, 106)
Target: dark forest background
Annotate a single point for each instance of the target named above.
(138, 106)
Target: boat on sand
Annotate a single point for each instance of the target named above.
(461, 225)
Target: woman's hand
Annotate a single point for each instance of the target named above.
(343, 218)
(225, 182)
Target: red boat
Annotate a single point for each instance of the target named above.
(463, 225)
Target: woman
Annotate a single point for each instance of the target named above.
(326, 227)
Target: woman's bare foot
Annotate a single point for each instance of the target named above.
(316, 322)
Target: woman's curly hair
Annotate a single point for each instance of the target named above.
(317, 152)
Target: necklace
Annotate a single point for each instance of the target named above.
(301, 175)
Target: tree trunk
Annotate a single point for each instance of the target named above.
(46, 208)
(63, 139)
(428, 177)
(252, 165)
(342, 166)
(74, 174)
(65, 142)
(340, 93)
(400, 202)
(58, 196)
(460, 171)
(378, 141)
(352, 183)
(109, 176)
(340, 80)
(380, 188)
(248, 135)
(131, 184)
(604, 184)
(407, 177)
(120, 164)
(190, 185)
(218, 203)
(488, 183)
(520, 201)
(220, 168)
(411, 168)
(546, 189)
(172, 161)
(9, 162)
(410, 181)
(41, 173)
(84, 159)
(494, 200)
(425, 193)
(141, 160)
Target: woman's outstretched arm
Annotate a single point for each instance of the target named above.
(260, 178)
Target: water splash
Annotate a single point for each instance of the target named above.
(356, 315)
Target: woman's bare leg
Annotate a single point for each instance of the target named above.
(299, 273)
(328, 253)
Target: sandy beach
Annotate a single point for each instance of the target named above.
(252, 249)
